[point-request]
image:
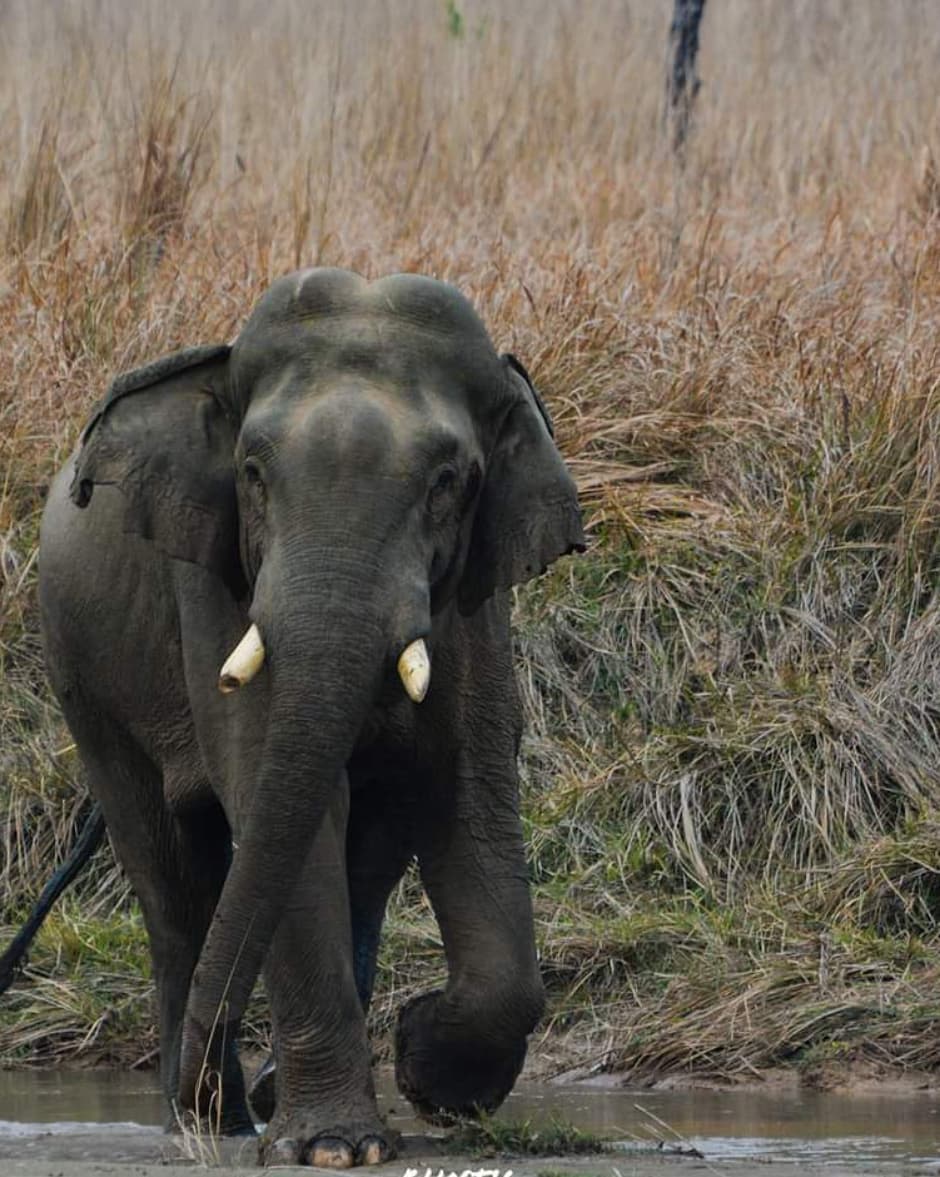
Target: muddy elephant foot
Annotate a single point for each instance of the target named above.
(300, 1140)
(445, 1068)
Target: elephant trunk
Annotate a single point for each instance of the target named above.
(324, 672)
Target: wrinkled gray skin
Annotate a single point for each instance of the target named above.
(358, 470)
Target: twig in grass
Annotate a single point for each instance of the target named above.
(685, 1147)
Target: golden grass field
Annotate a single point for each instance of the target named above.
(733, 749)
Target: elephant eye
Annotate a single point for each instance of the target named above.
(442, 490)
(445, 480)
(255, 481)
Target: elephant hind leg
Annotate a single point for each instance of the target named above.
(379, 847)
(176, 865)
(203, 847)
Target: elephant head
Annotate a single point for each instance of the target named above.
(359, 460)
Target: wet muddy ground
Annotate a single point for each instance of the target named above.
(92, 1124)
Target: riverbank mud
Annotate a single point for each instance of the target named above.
(126, 1151)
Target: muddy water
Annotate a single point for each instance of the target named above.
(824, 1132)
(726, 1125)
(63, 1097)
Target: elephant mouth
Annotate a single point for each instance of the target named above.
(244, 662)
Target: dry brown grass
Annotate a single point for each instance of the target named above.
(733, 703)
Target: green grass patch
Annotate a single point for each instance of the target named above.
(488, 1137)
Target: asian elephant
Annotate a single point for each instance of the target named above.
(273, 596)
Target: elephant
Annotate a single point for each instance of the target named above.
(275, 607)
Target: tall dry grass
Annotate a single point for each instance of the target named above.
(731, 759)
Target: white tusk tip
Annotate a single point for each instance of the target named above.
(414, 670)
(243, 663)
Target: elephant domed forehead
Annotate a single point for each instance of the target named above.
(405, 329)
(363, 428)
(319, 293)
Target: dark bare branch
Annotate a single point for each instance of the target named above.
(683, 82)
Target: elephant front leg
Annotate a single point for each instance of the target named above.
(379, 846)
(325, 1112)
(459, 1050)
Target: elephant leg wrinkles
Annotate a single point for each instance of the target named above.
(459, 1050)
(379, 846)
(327, 1115)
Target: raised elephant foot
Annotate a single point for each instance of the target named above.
(299, 1140)
(445, 1069)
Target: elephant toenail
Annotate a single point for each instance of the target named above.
(330, 1153)
(284, 1151)
(372, 1151)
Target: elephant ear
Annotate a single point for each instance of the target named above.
(527, 514)
(161, 435)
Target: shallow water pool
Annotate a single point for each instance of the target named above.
(804, 1128)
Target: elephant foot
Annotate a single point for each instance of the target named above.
(445, 1069)
(299, 1140)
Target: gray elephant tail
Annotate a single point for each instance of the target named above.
(87, 842)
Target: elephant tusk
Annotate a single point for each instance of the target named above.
(243, 663)
(414, 670)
